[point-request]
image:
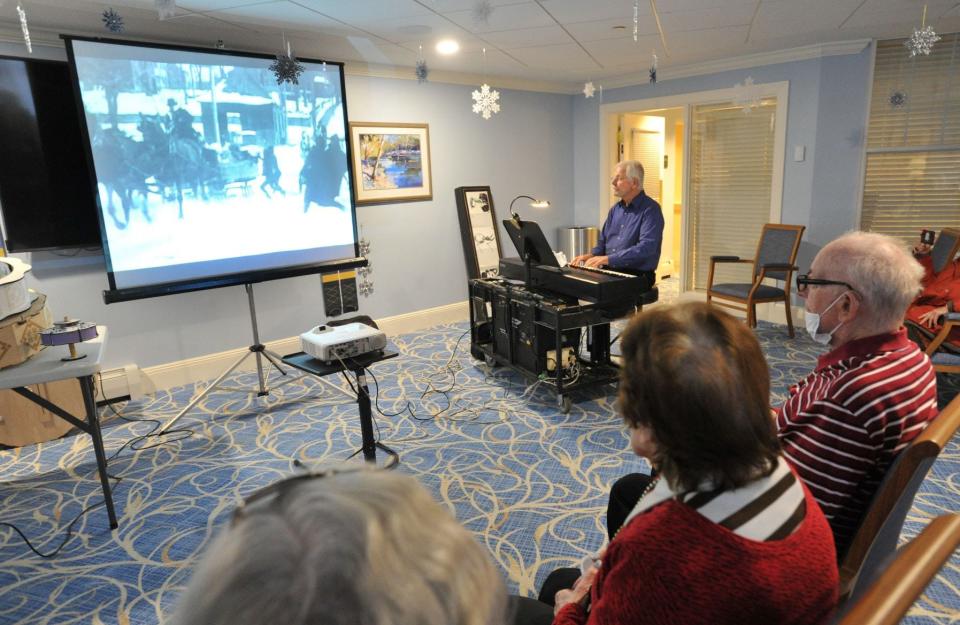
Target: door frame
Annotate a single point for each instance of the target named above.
(608, 114)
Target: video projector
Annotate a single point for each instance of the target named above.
(330, 343)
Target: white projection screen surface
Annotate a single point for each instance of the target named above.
(209, 173)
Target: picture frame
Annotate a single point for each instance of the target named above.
(478, 231)
(391, 162)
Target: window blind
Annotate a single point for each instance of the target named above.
(646, 146)
(731, 179)
(913, 141)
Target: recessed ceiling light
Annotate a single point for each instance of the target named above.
(448, 46)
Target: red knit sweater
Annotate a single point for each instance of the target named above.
(671, 565)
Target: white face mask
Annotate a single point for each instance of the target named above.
(812, 321)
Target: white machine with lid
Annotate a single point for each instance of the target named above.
(330, 343)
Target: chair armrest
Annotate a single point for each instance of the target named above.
(949, 322)
(779, 267)
(725, 259)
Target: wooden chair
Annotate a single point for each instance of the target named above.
(945, 358)
(944, 361)
(775, 258)
(887, 599)
(876, 539)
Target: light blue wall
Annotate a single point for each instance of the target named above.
(827, 114)
(416, 254)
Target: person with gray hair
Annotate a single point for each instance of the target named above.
(358, 547)
(873, 392)
(632, 234)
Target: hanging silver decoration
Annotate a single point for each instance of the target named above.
(166, 8)
(287, 68)
(653, 69)
(421, 70)
(365, 288)
(112, 21)
(921, 41)
(636, 20)
(364, 246)
(220, 44)
(482, 10)
(24, 28)
(588, 89)
(898, 99)
(747, 95)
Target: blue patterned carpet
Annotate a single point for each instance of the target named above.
(530, 482)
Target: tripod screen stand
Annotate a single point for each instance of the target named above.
(259, 351)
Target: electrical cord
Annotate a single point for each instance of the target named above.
(132, 444)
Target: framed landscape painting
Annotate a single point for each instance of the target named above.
(391, 162)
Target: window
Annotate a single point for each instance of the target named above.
(731, 182)
(913, 141)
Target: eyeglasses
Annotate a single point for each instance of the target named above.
(804, 280)
(280, 488)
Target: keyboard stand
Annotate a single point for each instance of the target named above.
(515, 326)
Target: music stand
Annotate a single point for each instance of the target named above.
(531, 244)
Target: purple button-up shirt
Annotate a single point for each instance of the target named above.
(632, 235)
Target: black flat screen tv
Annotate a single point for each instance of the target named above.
(45, 193)
(209, 173)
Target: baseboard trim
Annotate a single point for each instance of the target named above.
(209, 367)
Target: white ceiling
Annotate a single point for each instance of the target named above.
(560, 43)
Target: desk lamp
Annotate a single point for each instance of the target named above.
(534, 202)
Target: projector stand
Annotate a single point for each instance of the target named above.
(260, 352)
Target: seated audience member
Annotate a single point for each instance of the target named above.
(873, 392)
(359, 547)
(726, 533)
(941, 294)
(869, 396)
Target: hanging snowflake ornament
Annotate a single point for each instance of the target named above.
(112, 21)
(24, 28)
(588, 90)
(220, 44)
(482, 10)
(486, 101)
(364, 246)
(922, 40)
(287, 68)
(365, 288)
(166, 8)
(898, 99)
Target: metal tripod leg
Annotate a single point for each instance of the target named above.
(204, 392)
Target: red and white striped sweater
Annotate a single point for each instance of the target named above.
(844, 423)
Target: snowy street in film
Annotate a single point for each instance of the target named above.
(250, 219)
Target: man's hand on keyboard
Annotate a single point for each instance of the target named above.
(579, 260)
(597, 261)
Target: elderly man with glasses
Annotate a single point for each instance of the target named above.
(873, 392)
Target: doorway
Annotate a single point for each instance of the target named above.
(696, 172)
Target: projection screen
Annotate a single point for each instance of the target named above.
(207, 172)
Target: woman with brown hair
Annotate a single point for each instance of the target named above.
(726, 533)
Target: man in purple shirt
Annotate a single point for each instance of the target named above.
(632, 234)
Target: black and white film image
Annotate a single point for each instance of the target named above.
(201, 157)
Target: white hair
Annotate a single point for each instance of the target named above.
(880, 269)
(632, 169)
(358, 548)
